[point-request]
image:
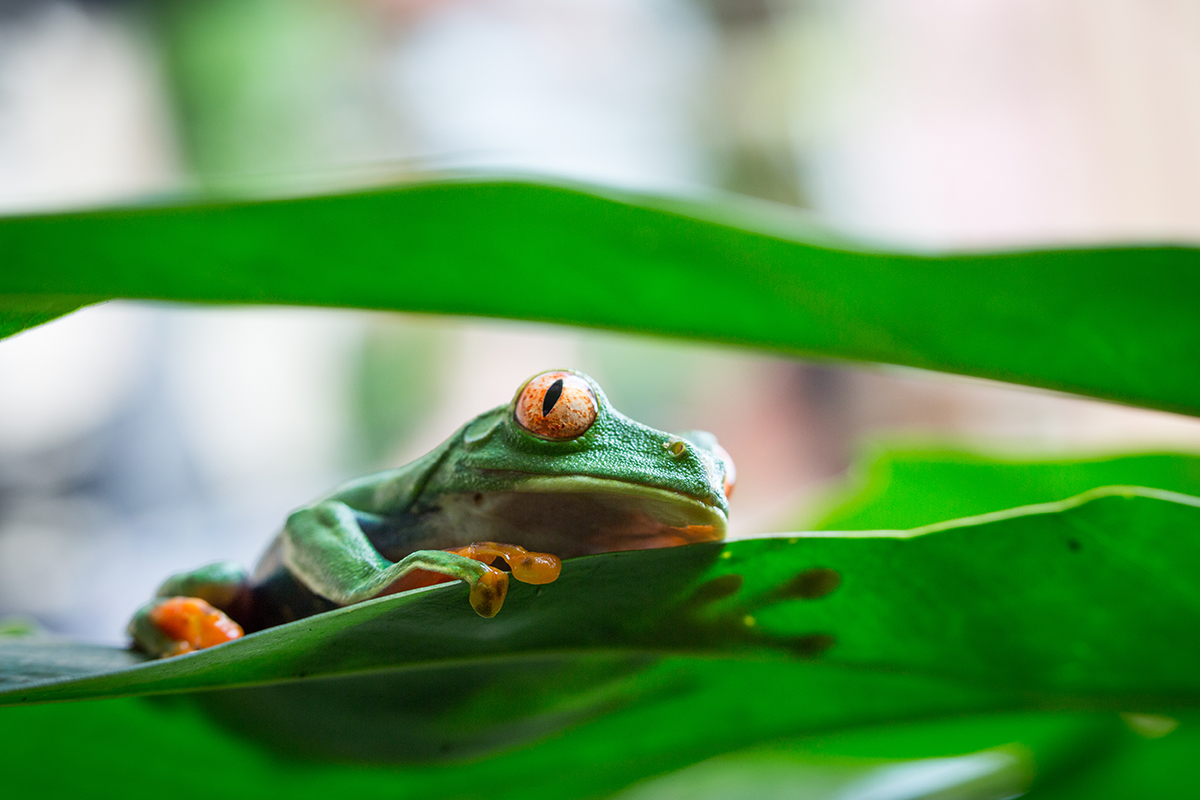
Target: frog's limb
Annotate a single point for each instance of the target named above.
(192, 610)
(324, 547)
(224, 584)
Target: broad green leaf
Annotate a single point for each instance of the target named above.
(908, 486)
(1094, 596)
(132, 748)
(1048, 756)
(777, 775)
(18, 313)
(1113, 322)
(1084, 604)
(982, 756)
(687, 709)
(31, 658)
(1163, 768)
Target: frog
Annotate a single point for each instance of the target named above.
(556, 473)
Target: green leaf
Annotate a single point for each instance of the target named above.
(18, 312)
(31, 658)
(1088, 604)
(908, 486)
(985, 756)
(1011, 587)
(1147, 768)
(1113, 322)
(132, 748)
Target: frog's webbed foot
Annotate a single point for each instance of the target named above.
(172, 626)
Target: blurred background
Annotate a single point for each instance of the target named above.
(138, 439)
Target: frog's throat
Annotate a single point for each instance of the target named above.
(587, 484)
(579, 515)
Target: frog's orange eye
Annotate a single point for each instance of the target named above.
(556, 405)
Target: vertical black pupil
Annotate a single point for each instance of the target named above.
(551, 398)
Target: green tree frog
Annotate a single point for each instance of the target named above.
(556, 473)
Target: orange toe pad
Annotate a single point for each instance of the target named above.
(193, 624)
(526, 566)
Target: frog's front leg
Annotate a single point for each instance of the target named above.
(192, 610)
(325, 549)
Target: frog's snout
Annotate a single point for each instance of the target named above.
(726, 476)
(729, 479)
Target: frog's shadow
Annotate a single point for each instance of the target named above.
(433, 714)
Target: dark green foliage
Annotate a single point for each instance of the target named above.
(1086, 605)
(807, 657)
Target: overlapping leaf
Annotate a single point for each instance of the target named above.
(1114, 322)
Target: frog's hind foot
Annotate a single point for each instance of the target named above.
(172, 626)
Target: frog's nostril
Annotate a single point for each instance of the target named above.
(675, 446)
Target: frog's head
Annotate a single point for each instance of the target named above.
(559, 469)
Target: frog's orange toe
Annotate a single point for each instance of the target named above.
(488, 593)
(536, 568)
(193, 624)
(526, 566)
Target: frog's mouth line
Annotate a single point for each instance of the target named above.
(578, 515)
